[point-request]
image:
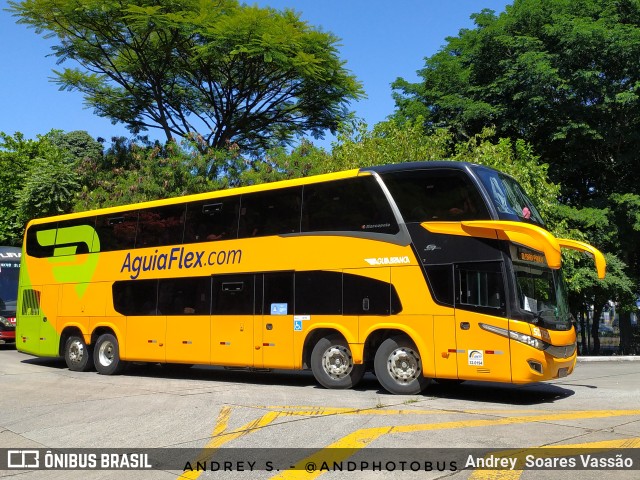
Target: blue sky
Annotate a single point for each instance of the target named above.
(381, 40)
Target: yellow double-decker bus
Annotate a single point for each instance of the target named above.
(417, 271)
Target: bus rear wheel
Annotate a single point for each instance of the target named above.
(398, 366)
(332, 363)
(77, 354)
(106, 355)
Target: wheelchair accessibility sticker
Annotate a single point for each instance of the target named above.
(297, 322)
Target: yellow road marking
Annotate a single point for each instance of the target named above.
(219, 437)
(325, 411)
(350, 444)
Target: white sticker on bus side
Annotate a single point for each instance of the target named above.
(297, 322)
(476, 358)
(279, 308)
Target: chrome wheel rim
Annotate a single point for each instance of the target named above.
(404, 365)
(337, 361)
(76, 351)
(106, 354)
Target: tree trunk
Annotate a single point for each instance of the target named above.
(625, 333)
(583, 331)
(594, 331)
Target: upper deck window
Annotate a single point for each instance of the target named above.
(353, 204)
(436, 195)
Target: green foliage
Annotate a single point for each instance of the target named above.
(279, 164)
(392, 142)
(561, 79)
(77, 145)
(16, 155)
(562, 75)
(131, 173)
(516, 159)
(49, 189)
(37, 178)
(387, 143)
(232, 73)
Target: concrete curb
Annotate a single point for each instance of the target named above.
(611, 358)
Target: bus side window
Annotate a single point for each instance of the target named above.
(354, 204)
(75, 237)
(232, 295)
(117, 231)
(278, 293)
(271, 213)
(215, 219)
(185, 296)
(318, 293)
(160, 226)
(368, 296)
(431, 195)
(441, 283)
(62, 238)
(136, 297)
(480, 287)
(34, 248)
(30, 302)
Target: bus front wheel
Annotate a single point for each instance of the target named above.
(77, 354)
(106, 355)
(398, 366)
(332, 363)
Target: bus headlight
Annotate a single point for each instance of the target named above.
(517, 336)
(4, 321)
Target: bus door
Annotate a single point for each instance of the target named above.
(36, 328)
(481, 305)
(233, 299)
(186, 303)
(444, 346)
(276, 325)
(146, 323)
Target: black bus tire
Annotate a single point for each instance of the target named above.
(77, 354)
(398, 366)
(332, 363)
(106, 355)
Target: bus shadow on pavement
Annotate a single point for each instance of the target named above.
(484, 392)
(225, 375)
(58, 363)
(490, 392)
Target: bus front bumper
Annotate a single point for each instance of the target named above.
(532, 365)
(7, 336)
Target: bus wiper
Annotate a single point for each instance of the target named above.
(538, 315)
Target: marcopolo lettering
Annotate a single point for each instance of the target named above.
(177, 258)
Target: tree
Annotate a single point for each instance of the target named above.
(562, 75)
(78, 144)
(38, 178)
(50, 188)
(231, 73)
(132, 172)
(16, 157)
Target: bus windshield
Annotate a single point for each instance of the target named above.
(541, 292)
(508, 197)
